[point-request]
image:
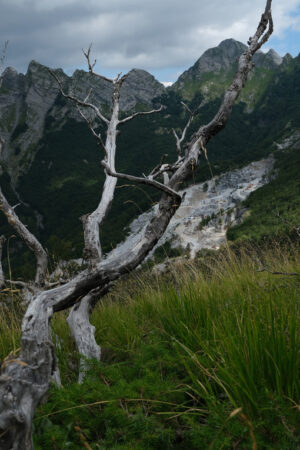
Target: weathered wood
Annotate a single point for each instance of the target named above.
(140, 113)
(145, 180)
(25, 380)
(78, 319)
(92, 247)
(180, 139)
(82, 331)
(2, 278)
(33, 244)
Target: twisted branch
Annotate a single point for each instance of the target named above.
(147, 181)
(31, 241)
(25, 380)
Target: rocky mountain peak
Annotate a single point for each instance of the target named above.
(219, 62)
(139, 87)
(286, 60)
(10, 72)
(34, 67)
(27, 100)
(220, 57)
(11, 78)
(232, 48)
(270, 60)
(274, 57)
(215, 60)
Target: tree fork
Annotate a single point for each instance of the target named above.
(25, 379)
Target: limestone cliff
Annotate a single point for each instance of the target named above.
(27, 100)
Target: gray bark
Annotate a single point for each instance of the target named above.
(2, 278)
(92, 247)
(78, 319)
(83, 332)
(31, 241)
(25, 381)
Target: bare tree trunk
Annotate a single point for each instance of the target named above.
(25, 380)
(92, 249)
(82, 331)
(31, 241)
(2, 278)
(78, 319)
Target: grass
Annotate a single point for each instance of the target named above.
(206, 356)
(272, 209)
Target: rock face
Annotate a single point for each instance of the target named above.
(207, 211)
(214, 69)
(216, 59)
(223, 57)
(27, 100)
(270, 60)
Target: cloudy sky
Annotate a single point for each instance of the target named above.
(164, 37)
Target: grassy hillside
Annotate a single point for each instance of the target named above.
(273, 209)
(206, 357)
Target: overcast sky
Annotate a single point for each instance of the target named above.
(164, 37)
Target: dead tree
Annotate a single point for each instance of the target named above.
(25, 379)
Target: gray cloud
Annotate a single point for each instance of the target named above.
(149, 34)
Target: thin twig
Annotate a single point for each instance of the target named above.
(97, 135)
(76, 100)
(141, 113)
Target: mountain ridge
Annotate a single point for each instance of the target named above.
(214, 70)
(26, 100)
(63, 166)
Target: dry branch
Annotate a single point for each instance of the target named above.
(2, 278)
(141, 113)
(31, 241)
(82, 103)
(25, 380)
(147, 181)
(180, 139)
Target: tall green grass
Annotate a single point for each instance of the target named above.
(204, 356)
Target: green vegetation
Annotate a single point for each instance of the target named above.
(164, 252)
(274, 208)
(211, 84)
(65, 178)
(206, 357)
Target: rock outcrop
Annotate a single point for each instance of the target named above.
(212, 72)
(27, 100)
(207, 211)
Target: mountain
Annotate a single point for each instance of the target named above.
(50, 163)
(26, 101)
(206, 213)
(214, 70)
